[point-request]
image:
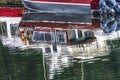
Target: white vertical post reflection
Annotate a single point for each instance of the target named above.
(44, 66)
(8, 29)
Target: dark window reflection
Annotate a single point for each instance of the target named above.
(55, 47)
(79, 33)
(48, 37)
(61, 37)
(38, 36)
(14, 29)
(47, 50)
(3, 28)
(42, 37)
(88, 34)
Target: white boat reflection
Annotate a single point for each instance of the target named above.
(55, 40)
(55, 63)
(59, 46)
(59, 41)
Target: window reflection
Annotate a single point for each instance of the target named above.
(3, 28)
(38, 37)
(47, 50)
(61, 37)
(71, 34)
(48, 37)
(79, 33)
(42, 37)
(89, 34)
(14, 29)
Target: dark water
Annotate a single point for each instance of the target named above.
(20, 65)
(30, 64)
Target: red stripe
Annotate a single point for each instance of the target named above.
(56, 25)
(10, 12)
(66, 1)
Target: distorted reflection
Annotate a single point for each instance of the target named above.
(82, 41)
(54, 64)
(110, 24)
(109, 6)
(74, 45)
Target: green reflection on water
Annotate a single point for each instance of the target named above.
(20, 66)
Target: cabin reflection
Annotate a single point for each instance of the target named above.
(80, 39)
(80, 36)
(61, 41)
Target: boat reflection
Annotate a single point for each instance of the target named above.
(61, 46)
(81, 39)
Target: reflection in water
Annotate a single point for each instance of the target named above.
(52, 53)
(31, 65)
(110, 24)
(20, 65)
(109, 6)
(55, 64)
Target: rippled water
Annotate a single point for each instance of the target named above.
(30, 64)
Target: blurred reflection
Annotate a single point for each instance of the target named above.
(110, 24)
(81, 38)
(67, 53)
(109, 6)
(54, 64)
(27, 65)
(62, 46)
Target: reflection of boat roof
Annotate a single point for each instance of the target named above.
(57, 17)
(58, 20)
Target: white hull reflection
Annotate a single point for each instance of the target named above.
(80, 57)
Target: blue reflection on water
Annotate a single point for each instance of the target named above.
(110, 24)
